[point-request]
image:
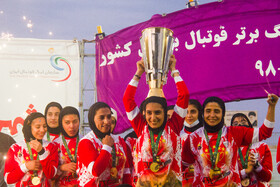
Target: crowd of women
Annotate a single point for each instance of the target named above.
(189, 147)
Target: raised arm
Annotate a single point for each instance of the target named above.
(246, 136)
(133, 113)
(180, 109)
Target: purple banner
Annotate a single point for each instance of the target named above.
(229, 49)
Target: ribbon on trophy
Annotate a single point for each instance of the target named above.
(214, 157)
(73, 158)
(35, 180)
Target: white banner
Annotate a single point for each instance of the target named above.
(33, 73)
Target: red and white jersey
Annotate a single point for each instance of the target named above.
(262, 175)
(278, 156)
(66, 178)
(187, 176)
(198, 153)
(169, 148)
(130, 142)
(16, 171)
(94, 162)
(52, 137)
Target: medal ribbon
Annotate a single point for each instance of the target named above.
(244, 162)
(48, 136)
(213, 156)
(67, 148)
(31, 156)
(155, 145)
(114, 155)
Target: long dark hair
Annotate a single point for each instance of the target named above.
(26, 129)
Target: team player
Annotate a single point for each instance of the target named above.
(213, 149)
(69, 123)
(52, 111)
(33, 161)
(102, 156)
(193, 121)
(255, 160)
(157, 156)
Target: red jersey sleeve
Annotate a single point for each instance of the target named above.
(91, 158)
(49, 160)
(278, 156)
(133, 113)
(180, 109)
(188, 157)
(13, 172)
(245, 136)
(127, 174)
(264, 172)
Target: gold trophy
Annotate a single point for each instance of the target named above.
(157, 47)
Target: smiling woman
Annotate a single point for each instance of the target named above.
(102, 156)
(33, 161)
(157, 154)
(212, 149)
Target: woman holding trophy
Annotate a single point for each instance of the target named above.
(33, 161)
(213, 149)
(157, 156)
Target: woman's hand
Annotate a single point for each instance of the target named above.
(251, 164)
(36, 145)
(69, 167)
(108, 140)
(172, 63)
(33, 165)
(140, 70)
(272, 99)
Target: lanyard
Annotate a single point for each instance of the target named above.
(48, 136)
(114, 160)
(31, 156)
(244, 162)
(155, 144)
(68, 151)
(30, 152)
(213, 156)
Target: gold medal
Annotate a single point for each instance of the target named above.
(35, 180)
(154, 167)
(245, 182)
(114, 172)
(214, 172)
(191, 169)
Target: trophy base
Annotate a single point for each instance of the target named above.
(156, 92)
